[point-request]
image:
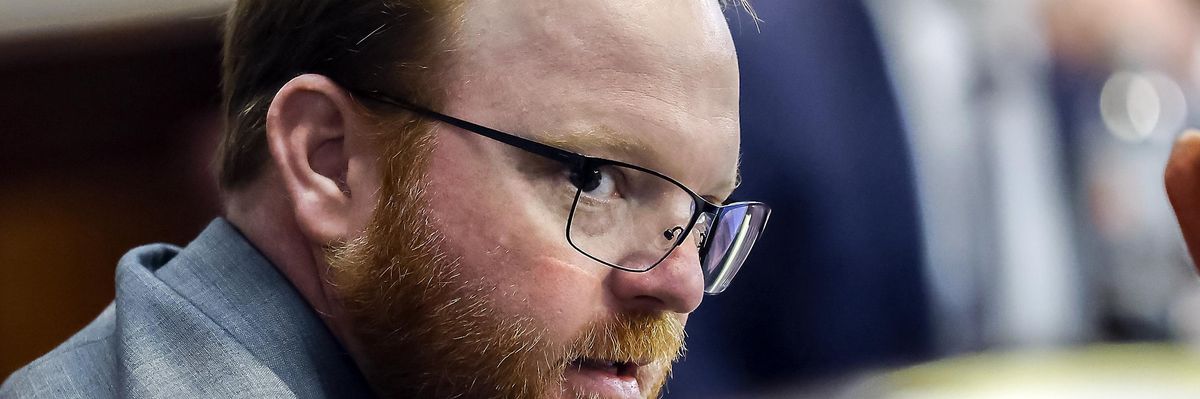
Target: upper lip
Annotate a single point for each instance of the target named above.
(632, 362)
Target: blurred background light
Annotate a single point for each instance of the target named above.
(1137, 106)
(1143, 371)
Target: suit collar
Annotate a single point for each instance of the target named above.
(232, 283)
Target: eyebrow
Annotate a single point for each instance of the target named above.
(737, 179)
(602, 140)
(605, 142)
(729, 187)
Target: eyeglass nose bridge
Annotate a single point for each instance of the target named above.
(674, 233)
(679, 232)
(672, 237)
(699, 223)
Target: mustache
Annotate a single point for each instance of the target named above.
(637, 338)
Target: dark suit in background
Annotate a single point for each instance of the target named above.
(837, 284)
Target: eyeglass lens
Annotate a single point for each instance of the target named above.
(734, 232)
(632, 219)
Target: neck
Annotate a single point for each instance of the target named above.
(263, 213)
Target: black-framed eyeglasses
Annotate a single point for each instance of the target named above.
(629, 217)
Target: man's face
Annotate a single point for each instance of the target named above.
(495, 301)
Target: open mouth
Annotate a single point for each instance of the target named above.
(606, 378)
(620, 369)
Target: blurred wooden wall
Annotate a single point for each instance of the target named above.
(106, 137)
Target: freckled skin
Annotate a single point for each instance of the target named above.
(662, 74)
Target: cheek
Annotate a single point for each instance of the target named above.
(364, 180)
(494, 223)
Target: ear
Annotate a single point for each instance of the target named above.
(309, 129)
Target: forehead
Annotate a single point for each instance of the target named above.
(661, 74)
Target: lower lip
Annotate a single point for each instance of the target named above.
(602, 382)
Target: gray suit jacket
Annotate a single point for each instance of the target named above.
(214, 319)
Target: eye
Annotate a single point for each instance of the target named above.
(597, 182)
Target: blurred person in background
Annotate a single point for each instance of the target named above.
(1125, 86)
(974, 80)
(375, 243)
(949, 193)
(843, 290)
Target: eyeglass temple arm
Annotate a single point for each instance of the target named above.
(544, 150)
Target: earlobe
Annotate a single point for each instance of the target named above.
(307, 125)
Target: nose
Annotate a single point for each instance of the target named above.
(674, 285)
